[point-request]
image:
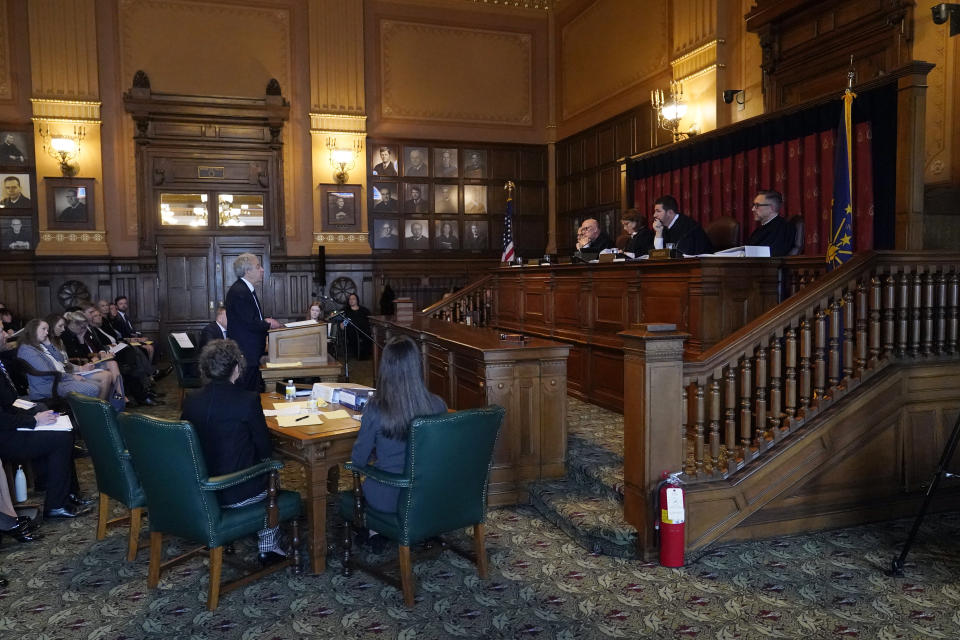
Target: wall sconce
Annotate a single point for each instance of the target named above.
(343, 160)
(63, 148)
(670, 111)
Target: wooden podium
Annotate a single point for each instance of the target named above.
(306, 344)
(304, 349)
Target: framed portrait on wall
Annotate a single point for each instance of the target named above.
(416, 198)
(416, 234)
(474, 163)
(70, 203)
(446, 236)
(384, 197)
(16, 191)
(385, 233)
(445, 163)
(415, 162)
(475, 235)
(383, 160)
(475, 198)
(16, 147)
(340, 205)
(446, 198)
(16, 232)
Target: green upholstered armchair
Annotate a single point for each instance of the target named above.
(185, 364)
(182, 498)
(443, 488)
(116, 479)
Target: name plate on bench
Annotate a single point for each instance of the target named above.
(664, 254)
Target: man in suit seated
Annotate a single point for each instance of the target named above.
(216, 330)
(670, 227)
(233, 433)
(591, 240)
(774, 231)
(248, 326)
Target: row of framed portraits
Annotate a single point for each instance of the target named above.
(420, 161)
(443, 234)
(69, 202)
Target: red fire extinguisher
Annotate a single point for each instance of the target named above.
(671, 507)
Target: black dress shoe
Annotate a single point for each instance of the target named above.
(269, 558)
(162, 373)
(3, 583)
(21, 533)
(79, 501)
(79, 451)
(150, 402)
(66, 512)
(30, 523)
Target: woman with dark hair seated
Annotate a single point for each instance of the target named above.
(401, 396)
(33, 350)
(232, 432)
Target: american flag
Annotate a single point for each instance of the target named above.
(508, 227)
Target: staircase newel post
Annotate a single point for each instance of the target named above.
(653, 421)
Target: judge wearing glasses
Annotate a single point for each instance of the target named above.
(773, 229)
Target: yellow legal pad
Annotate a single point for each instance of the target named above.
(305, 420)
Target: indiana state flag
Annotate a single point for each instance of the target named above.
(840, 248)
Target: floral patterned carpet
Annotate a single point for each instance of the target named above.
(542, 584)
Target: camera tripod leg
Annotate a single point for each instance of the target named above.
(948, 451)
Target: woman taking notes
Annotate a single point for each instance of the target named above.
(34, 351)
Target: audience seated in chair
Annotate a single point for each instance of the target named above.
(41, 363)
(431, 468)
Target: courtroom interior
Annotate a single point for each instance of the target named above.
(702, 254)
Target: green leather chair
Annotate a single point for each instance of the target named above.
(185, 364)
(443, 488)
(116, 479)
(182, 499)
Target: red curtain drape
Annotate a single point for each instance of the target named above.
(801, 169)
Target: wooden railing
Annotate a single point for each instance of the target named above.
(765, 381)
(472, 305)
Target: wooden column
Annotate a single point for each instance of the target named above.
(911, 115)
(652, 419)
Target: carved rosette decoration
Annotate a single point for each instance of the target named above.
(329, 238)
(73, 292)
(342, 288)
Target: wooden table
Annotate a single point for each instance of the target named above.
(320, 449)
(329, 372)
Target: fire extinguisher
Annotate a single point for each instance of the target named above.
(671, 514)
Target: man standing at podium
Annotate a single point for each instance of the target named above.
(248, 326)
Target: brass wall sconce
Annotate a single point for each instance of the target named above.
(671, 110)
(343, 160)
(64, 148)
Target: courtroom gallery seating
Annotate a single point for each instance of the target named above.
(116, 479)
(443, 488)
(185, 364)
(182, 499)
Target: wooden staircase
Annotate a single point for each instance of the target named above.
(828, 410)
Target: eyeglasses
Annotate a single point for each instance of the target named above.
(757, 206)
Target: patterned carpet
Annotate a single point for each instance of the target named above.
(542, 585)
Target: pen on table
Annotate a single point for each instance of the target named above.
(301, 418)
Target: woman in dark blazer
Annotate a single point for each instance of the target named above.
(401, 396)
(232, 432)
(639, 236)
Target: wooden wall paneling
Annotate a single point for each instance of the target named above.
(577, 380)
(576, 193)
(609, 186)
(530, 232)
(576, 154)
(553, 393)
(624, 137)
(533, 165)
(606, 375)
(606, 144)
(505, 164)
(590, 153)
(591, 189)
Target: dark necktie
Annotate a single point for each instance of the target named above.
(257, 302)
(6, 375)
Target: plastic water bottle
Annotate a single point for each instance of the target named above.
(20, 485)
(314, 396)
(291, 391)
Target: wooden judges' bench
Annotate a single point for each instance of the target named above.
(586, 306)
(472, 367)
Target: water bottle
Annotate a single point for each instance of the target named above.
(291, 391)
(314, 396)
(20, 485)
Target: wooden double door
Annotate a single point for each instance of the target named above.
(195, 274)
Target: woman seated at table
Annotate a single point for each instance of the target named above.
(358, 345)
(33, 349)
(401, 396)
(232, 432)
(108, 374)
